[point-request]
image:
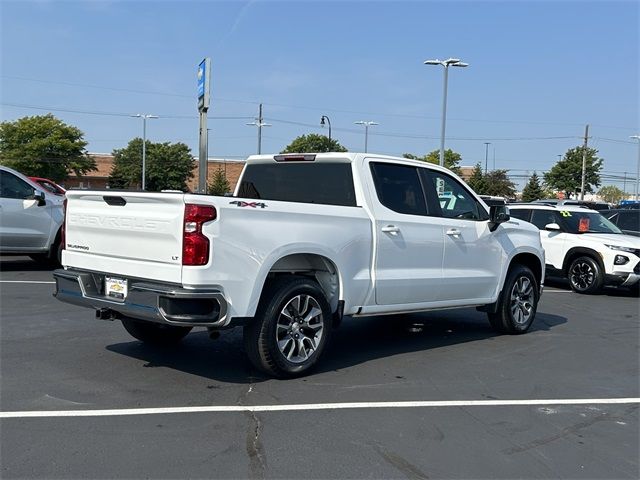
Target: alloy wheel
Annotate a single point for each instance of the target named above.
(300, 328)
(582, 275)
(522, 301)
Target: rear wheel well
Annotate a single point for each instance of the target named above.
(310, 265)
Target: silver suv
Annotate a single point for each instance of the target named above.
(32, 218)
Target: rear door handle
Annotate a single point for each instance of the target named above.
(392, 229)
(454, 232)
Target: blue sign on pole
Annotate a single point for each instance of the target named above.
(204, 74)
(201, 78)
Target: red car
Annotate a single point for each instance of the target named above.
(50, 185)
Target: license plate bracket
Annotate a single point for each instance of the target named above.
(115, 288)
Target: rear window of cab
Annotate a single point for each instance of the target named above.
(302, 182)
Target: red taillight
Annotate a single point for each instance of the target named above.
(195, 245)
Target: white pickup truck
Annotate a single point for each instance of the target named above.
(306, 239)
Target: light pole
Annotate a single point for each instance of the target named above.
(259, 123)
(486, 157)
(637, 137)
(322, 119)
(144, 144)
(366, 124)
(452, 62)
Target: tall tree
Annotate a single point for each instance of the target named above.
(498, 184)
(451, 159)
(44, 146)
(219, 184)
(533, 190)
(477, 181)
(168, 166)
(611, 194)
(313, 143)
(566, 175)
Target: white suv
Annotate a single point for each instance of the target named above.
(31, 218)
(583, 246)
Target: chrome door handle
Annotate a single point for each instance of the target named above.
(392, 229)
(454, 232)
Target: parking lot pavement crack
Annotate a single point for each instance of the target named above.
(243, 396)
(401, 464)
(493, 431)
(255, 449)
(570, 430)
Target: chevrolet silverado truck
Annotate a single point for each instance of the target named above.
(305, 240)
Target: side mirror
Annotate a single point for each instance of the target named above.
(498, 214)
(552, 227)
(40, 198)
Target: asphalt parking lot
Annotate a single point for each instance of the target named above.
(559, 402)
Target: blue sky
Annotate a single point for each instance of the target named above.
(538, 69)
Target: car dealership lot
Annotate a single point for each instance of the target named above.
(57, 358)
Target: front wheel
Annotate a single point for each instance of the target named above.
(155, 333)
(585, 275)
(518, 302)
(291, 328)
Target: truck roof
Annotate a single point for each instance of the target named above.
(346, 157)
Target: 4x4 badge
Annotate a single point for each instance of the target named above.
(241, 203)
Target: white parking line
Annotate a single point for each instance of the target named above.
(313, 406)
(25, 281)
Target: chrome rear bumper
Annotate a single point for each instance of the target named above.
(157, 302)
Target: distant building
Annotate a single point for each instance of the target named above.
(466, 172)
(99, 178)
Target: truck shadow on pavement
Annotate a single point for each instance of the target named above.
(23, 264)
(356, 342)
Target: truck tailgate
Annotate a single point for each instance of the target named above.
(134, 234)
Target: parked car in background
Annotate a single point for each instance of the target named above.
(594, 205)
(626, 219)
(50, 185)
(32, 218)
(491, 200)
(629, 204)
(583, 246)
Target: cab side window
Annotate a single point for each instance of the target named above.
(13, 187)
(454, 200)
(520, 214)
(399, 188)
(542, 218)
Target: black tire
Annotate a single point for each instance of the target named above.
(301, 342)
(518, 302)
(155, 333)
(585, 275)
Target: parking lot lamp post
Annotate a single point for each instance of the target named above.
(322, 119)
(637, 137)
(451, 62)
(486, 157)
(144, 144)
(366, 131)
